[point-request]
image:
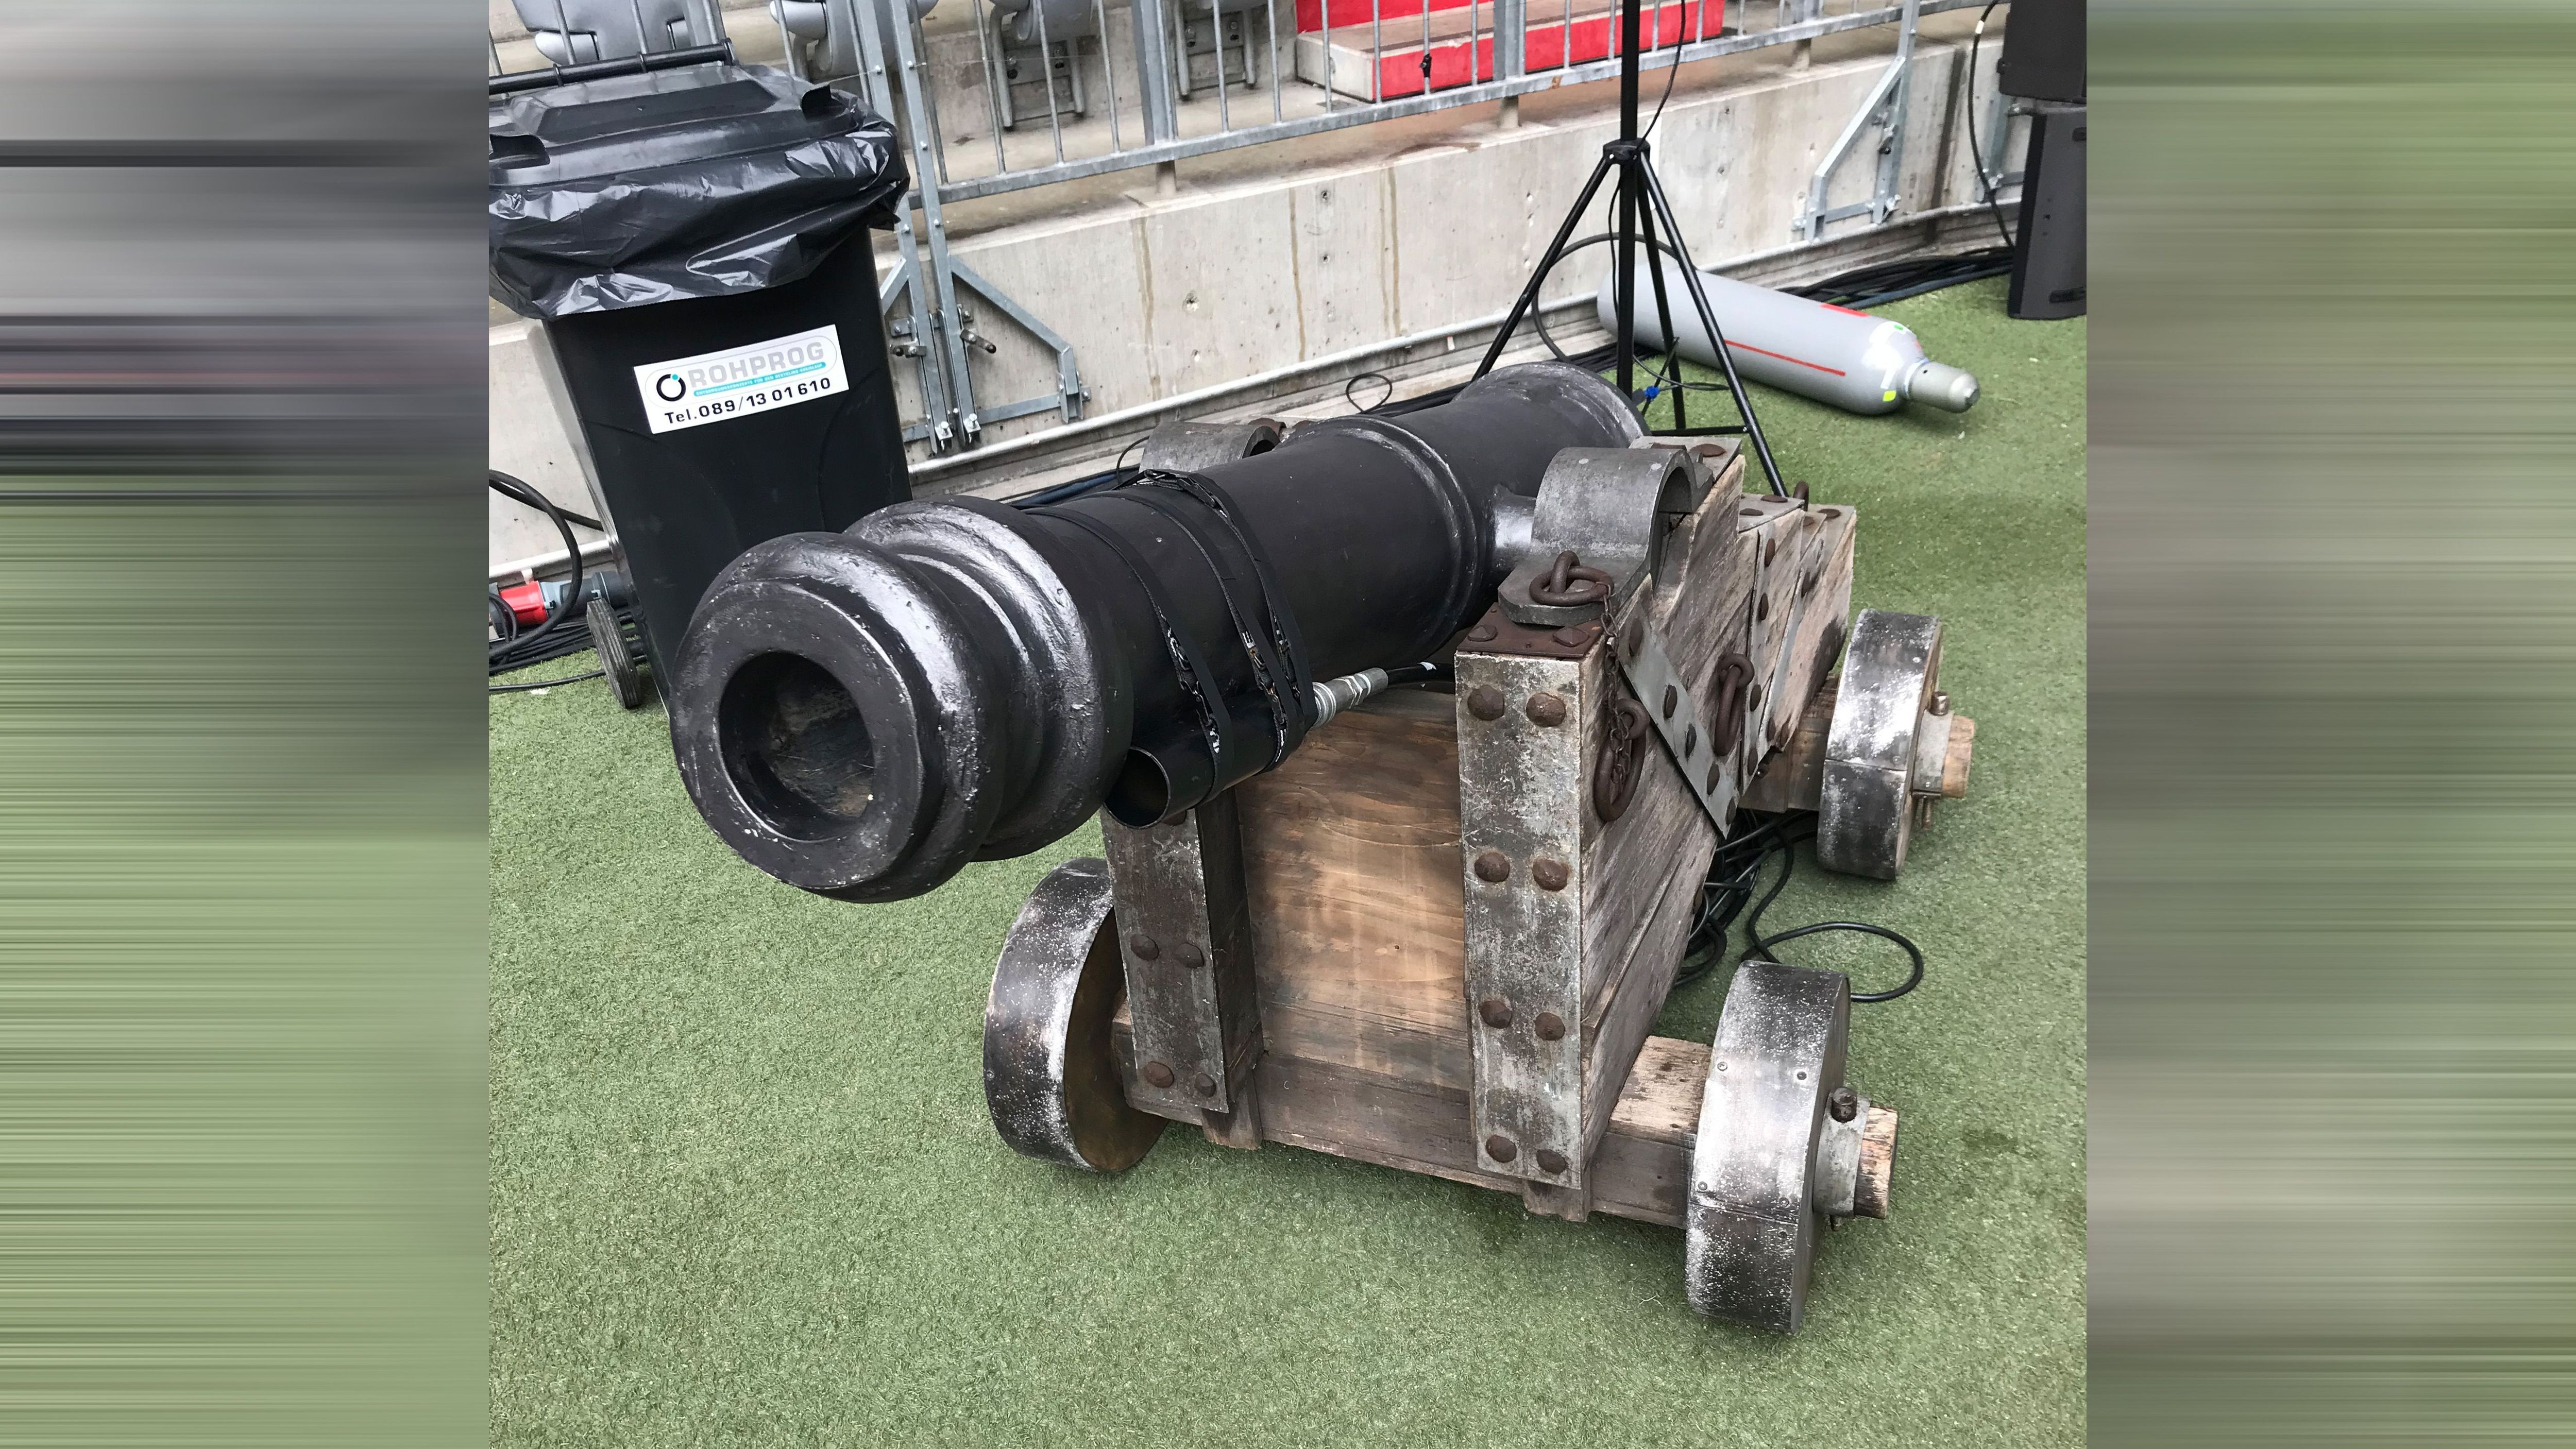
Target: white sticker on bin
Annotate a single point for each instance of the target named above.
(715, 387)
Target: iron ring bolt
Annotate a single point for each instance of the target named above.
(1570, 582)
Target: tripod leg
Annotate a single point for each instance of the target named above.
(1538, 276)
(1716, 339)
(1623, 282)
(1664, 317)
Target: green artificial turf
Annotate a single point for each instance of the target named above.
(744, 1190)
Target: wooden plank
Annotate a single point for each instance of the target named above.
(1352, 876)
(1642, 873)
(1823, 611)
(1642, 1170)
(1795, 773)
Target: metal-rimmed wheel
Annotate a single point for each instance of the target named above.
(1769, 1160)
(1050, 1076)
(1865, 811)
(616, 654)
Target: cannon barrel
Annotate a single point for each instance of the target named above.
(860, 714)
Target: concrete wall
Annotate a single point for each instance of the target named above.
(1162, 295)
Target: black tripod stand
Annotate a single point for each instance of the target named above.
(1640, 209)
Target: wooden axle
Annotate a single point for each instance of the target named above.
(1643, 1170)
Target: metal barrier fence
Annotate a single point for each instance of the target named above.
(1071, 90)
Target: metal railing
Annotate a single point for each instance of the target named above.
(573, 40)
(1073, 89)
(1354, 62)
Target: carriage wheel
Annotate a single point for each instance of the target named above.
(1865, 815)
(1782, 1146)
(1050, 1077)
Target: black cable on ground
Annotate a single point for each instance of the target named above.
(1733, 877)
(519, 490)
(1977, 153)
(1909, 276)
(572, 679)
(512, 488)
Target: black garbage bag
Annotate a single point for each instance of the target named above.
(706, 182)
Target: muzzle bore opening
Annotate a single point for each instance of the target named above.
(795, 746)
(1141, 792)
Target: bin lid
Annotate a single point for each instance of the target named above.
(670, 185)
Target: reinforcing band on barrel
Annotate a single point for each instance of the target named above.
(1264, 628)
(1284, 656)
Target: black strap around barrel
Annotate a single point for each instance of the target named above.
(1197, 681)
(1291, 646)
(1270, 673)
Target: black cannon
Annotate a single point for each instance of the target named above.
(860, 714)
(1437, 936)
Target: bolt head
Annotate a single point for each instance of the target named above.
(1550, 1026)
(1762, 608)
(1189, 957)
(1690, 740)
(1501, 1148)
(1156, 1074)
(1546, 710)
(1716, 770)
(1481, 634)
(1751, 512)
(1843, 1102)
(1485, 702)
(1494, 1012)
(1566, 638)
(1551, 875)
(1551, 1161)
(1672, 700)
(1493, 867)
(1771, 548)
(1205, 1084)
(1145, 947)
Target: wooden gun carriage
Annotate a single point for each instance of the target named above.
(1436, 936)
